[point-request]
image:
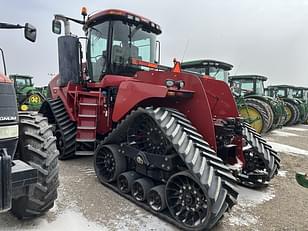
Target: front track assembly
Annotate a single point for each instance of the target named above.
(262, 162)
(158, 160)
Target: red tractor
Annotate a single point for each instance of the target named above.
(170, 141)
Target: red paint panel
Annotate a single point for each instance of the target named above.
(197, 108)
(131, 94)
(220, 98)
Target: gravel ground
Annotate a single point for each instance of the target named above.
(84, 204)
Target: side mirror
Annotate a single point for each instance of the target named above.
(56, 26)
(30, 32)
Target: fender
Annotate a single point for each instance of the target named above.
(62, 94)
(220, 98)
(131, 93)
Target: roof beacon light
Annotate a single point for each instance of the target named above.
(84, 11)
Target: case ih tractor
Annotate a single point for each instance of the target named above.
(29, 98)
(295, 108)
(162, 138)
(28, 153)
(262, 112)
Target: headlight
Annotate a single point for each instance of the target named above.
(169, 83)
(7, 132)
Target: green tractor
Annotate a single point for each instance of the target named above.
(216, 69)
(262, 112)
(295, 108)
(29, 98)
(301, 93)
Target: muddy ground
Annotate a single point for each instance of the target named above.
(84, 204)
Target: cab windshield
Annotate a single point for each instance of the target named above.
(217, 73)
(112, 45)
(259, 87)
(298, 94)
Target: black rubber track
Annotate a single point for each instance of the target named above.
(264, 152)
(37, 147)
(265, 110)
(65, 127)
(201, 161)
(294, 113)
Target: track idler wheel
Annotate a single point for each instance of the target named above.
(126, 179)
(141, 187)
(188, 201)
(157, 199)
(109, 163)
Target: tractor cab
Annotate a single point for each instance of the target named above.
(21, 81)
(244, 85)
(216, 69)
(282, 91)
(116, 41)
(301, 93)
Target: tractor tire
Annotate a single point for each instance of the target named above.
(261, 112)
(37, 147)
(197, 171)
(293, 113)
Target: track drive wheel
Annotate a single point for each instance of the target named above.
(37, 147)
(188, 201)
(108, 163)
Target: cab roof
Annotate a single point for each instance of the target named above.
(259, 77)
(281, 86)
(21, 76)
(207, 62)
(116, 14)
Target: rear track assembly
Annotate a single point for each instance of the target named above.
(262, 162)
(192, 192)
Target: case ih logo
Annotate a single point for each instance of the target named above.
(6, 118)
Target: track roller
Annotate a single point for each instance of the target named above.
(126, 179)
(188, 201)
(156, 198)
(141, 187)
(108, 163)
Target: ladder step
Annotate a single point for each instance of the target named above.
(85, 140)
(86, 128)
(84, 153)
(87, 116)
(88, 104)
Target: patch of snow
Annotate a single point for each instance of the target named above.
(282, 173)
(282, 133)
(250, 198)
(67, 220)
(243, 219)
(139, 221)
(287, 149)
(295, 129)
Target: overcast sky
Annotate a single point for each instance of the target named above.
(266, 37)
